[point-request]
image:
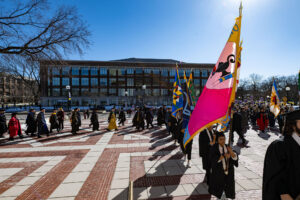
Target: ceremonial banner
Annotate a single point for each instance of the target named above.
(275, 102)
(192, 89)
(177, 95)
(219, 91)
(186, 114)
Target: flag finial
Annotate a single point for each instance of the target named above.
(241, 8)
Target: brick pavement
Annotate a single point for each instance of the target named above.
(99, 165)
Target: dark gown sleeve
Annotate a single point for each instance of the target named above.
(274, 179)
(203, 146)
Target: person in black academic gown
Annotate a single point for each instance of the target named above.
(122, 117)
(222, 159)
(138, 119)
(94, 120)
(281, 175)
(207, 139)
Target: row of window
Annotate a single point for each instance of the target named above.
(111, 82)
(93, 71)
(110, 91)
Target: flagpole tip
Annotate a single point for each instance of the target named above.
(241, 8)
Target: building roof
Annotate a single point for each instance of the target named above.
(129, 62)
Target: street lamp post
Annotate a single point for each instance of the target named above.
(126, 94)
(144, 92)
(287, 89)
(69, 96)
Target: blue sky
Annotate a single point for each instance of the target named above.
(194, 31)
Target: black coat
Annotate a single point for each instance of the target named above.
(160, 117)
(53, 121)
(204, 148)
(237, 122)
(219, 181)
(3, 125)
(122, 116)
(281, 169)
(94, 121)
(31, 122)
(138, 119)
(149, 116)
(172, 121)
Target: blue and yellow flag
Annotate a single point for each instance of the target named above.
(177, 102)
(187, 103)
(275, 102)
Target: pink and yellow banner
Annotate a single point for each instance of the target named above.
(219, 91)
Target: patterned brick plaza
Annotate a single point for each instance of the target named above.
(99, 165)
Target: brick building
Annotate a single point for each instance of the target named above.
(131, 80)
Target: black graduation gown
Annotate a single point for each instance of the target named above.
(122, 117)
(94, 121)
(281, 169)
(3, 125)
(138, 120)
(219, 181)
(204, 148)
(31, 123)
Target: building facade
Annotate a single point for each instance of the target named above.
(13, 90)
(120, 82)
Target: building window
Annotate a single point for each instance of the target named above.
(112, 81)
(203, 82)
(55, 92)
(94, 82)
(65, 81)
(130, 92)
(55, 71)
(148, 92)
(85, 71)
(156, 71)
(75, 81)
(181, 71)
(130, 82)
(122, 72)
(64, 92)
(139, 71)
(172, 72)
(197, 73)
(187, 72)
(103, 71)
(65, 71)
(164, 92)
(49, 81)
(94, 91)
(164, 72)
(56, 81)
(156, 92)
(147, 71)
(112, 72)
(103, 91)
(75, 71)
(85, 92)
(94, 71)
(121, 92)
(121, 82)
(112, 91)
(103, 81)
(197, 82)
(84, 82)
(204, 73)
(75, 92)
(130, 71)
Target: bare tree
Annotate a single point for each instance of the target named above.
(25, 29)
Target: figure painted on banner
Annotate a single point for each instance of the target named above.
(280, 120)
(61, 118)
(138, 119)
(149, 118)
(262, 120)
(222, 159)
(94, 120)
(160, 117)
(112, 120)
(122, 117)
(75, 123)
(281, 175)
(207, 140)
(14, 127)
(237, 126)
(42, 125)
(53, 121)
(3, 125)
(31, 123)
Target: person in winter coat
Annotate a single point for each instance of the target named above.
(31, 123)
(122, 117)
(3, 125)
(53, 121)
(75, 123)
(262, 120)
(14, 127)
(94, 120)
(42, 125)
(149, 117)
(61, 118)
(237, 126)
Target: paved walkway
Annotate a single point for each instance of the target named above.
(99, 165)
